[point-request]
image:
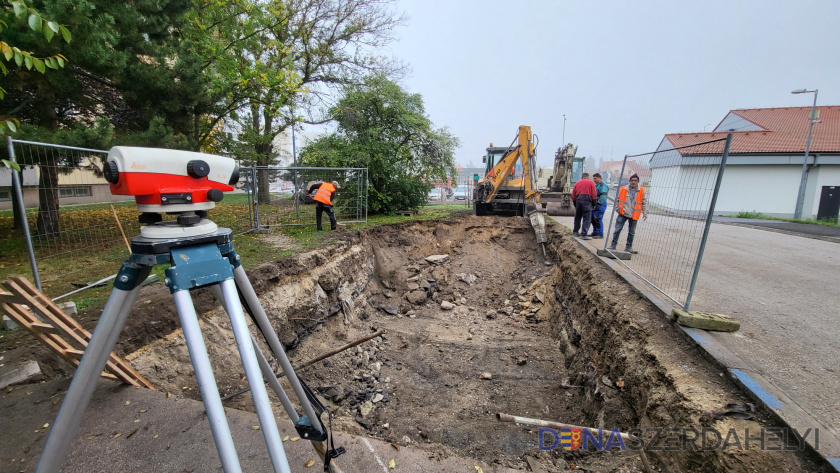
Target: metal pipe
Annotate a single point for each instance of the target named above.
(708, 222)
(554, 425)
(22, 208)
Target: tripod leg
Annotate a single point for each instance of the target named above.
(96, 355)
(206, 382)
(255, 379)
(254, 305)
(269, 375)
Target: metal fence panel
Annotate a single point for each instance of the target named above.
(280, 194)
(681, 187)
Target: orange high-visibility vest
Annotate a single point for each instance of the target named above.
(322, 194)
(637, 208)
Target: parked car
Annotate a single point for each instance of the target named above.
(462, 193)
(436, 195)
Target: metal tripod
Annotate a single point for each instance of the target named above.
(196, 261)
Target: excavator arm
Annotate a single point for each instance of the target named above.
(500, 174)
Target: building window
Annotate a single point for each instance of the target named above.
(5, 195)
(74, 191)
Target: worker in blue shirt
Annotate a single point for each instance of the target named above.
(600, 207)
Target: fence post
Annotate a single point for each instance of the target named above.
(22, 207)
(615, 202)
(708, 222)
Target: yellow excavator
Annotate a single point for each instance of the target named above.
(510, 183)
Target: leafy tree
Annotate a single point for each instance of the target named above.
(385, 129)
(118, 68)
(298, 53)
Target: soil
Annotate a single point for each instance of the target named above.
(494, 327)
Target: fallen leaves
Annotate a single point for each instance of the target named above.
(309, 464)
(392, 464)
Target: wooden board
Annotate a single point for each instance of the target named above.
(25, 304)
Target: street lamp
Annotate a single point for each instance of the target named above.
(800, 198)
(564, 130)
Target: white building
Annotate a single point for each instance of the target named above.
(764, 167)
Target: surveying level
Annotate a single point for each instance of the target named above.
(200, 254)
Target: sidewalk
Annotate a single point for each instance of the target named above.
(783, 290)
(805, 229)
(131, 429)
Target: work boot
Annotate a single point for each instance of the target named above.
(576, 234)
(612, 248)
(597, 237)
(586, 237)
(631, 251)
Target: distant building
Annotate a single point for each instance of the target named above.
(764, 167)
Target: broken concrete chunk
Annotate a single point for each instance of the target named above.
(446, 305)
(706, 320)
(390, 309)
(377, 397)
(486, 375)
(68, 308)
(468, 278)
(27, 371)
(9, 324)
(437, 259)
(412, 286)
(413, 278)
(490, 314)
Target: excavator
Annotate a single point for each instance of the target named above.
(567, 171)
(510, 182)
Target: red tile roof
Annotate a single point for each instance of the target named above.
(785, 131)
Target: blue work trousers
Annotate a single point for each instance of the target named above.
(598, 219)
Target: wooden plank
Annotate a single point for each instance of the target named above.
(45, 328)
(24, 318)
(24, 292)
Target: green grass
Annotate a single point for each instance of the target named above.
(61, 271)
(813, 221)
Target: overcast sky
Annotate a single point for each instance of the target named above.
(623, 72)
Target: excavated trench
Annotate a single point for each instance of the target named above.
(489, 327)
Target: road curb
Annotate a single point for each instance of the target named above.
(742, 371)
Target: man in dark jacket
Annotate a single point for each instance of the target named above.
(584, 195)
(322, 193)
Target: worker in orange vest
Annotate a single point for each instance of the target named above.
(322, 193)
(629, 206)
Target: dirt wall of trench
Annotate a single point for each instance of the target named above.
(634, 368)
(634, 360)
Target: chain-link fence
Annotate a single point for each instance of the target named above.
(667, 213)
(280, 195)
(75, 226)
(77, 232)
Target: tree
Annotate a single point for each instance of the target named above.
(118, 67)
(301, 51)
(385, 129)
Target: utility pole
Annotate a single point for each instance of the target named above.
(800, 197)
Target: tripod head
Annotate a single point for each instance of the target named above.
(169, 181)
